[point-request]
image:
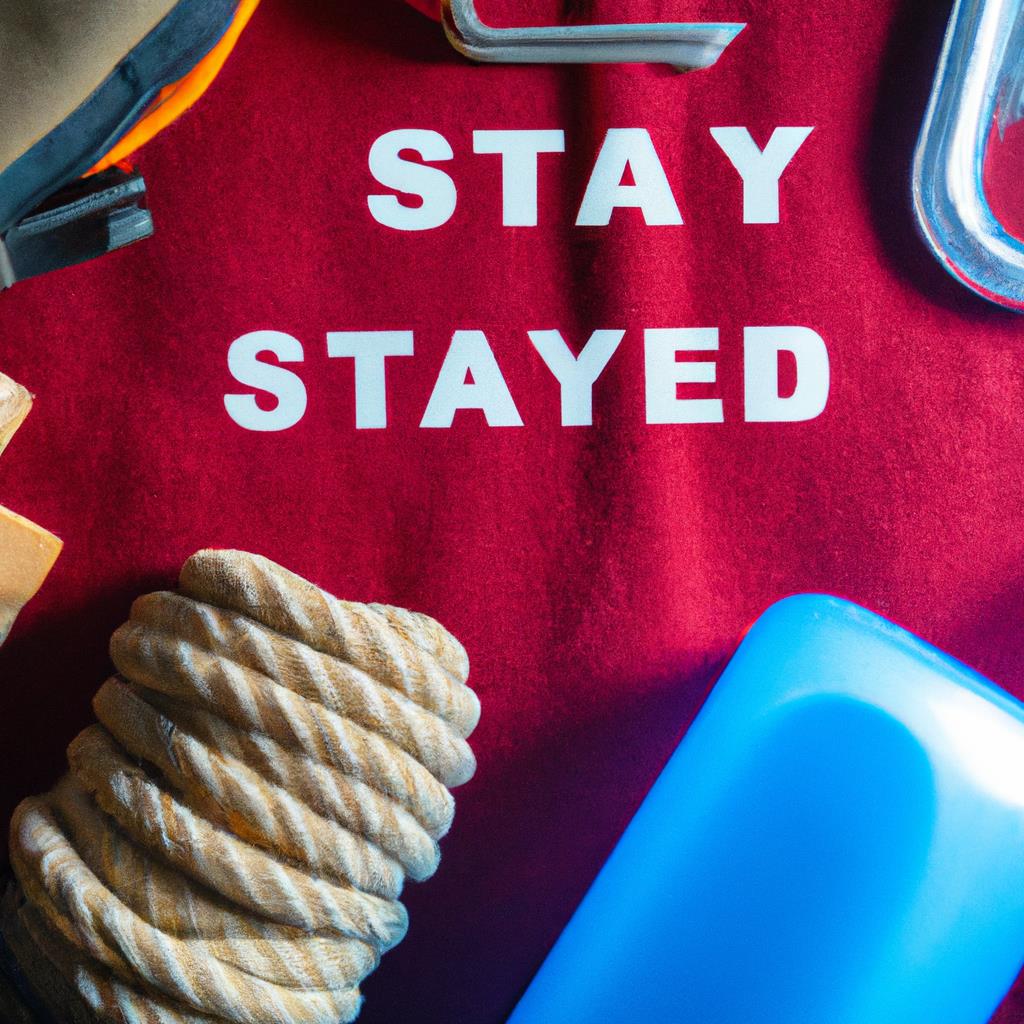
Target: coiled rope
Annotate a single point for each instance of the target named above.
(231, 841)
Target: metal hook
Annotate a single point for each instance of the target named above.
(979, 78)
(687, 47)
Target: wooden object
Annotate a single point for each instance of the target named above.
(15, 404)
(27, 552)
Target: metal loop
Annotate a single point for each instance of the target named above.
(978, 80)
(687, 47)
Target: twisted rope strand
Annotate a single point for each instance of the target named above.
(403, 650)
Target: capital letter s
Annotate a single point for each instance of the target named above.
(431, 184)
(285, 386)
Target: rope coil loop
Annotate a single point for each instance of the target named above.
(269, 765)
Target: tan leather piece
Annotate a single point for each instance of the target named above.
(27, 554)
(55, 53)
(15, 403)
(27, 551)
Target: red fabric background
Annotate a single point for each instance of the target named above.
(598, 576)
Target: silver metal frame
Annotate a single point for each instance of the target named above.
(980, 75)
(687, 47)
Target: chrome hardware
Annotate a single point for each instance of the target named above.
(687, 47)
(978, 83)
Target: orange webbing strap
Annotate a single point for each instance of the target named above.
(173, 100)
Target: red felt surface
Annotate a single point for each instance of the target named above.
(598, 576)
(432, 8)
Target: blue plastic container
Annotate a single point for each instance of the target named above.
(839, 839)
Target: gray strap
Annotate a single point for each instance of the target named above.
(88, 218)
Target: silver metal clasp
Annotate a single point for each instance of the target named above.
(687, 47)
(979, 82)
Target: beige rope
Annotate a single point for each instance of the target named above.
(230, 844)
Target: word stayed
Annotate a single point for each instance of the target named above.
(470, 379)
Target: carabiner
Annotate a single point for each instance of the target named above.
(978, 84)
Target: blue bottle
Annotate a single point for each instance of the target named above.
(838, 839)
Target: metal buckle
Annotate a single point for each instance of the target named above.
(687, 47)
(8, 276)
(87, 218)
(979, 78)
